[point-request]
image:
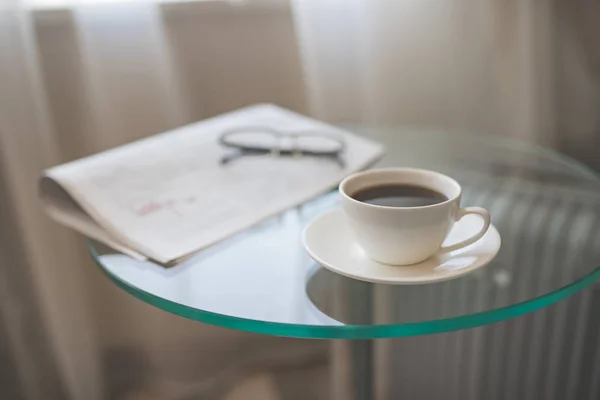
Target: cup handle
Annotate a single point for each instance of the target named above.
(484, 214)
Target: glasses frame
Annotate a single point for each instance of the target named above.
(277, 149)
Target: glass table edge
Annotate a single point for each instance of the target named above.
(379, 331)
(350, 331)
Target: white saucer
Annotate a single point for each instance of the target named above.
(330, 243)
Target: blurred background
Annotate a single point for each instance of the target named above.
(81, 76)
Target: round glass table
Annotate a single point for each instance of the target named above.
(545, 206)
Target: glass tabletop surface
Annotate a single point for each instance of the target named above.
(545, 206)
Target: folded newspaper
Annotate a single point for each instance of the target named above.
(168, 196)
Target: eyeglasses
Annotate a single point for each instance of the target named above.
(264, 140)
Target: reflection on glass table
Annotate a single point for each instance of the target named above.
(545, 206)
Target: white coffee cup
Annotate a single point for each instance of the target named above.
(406, 235)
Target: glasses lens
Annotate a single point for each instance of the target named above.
(316, 143)
(253, 139)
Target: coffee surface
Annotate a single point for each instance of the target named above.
(399, 196)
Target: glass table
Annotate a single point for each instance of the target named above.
(545, 206)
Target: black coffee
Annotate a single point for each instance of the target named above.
(399, 196)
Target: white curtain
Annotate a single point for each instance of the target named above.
(27, 145)
(129, 91)
(136, 92)
(77, 80)
(466, 65)
(452, 64)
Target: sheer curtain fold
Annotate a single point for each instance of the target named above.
(127, 71)
(129, 91)
(88, 77)
(26, 147)
(502, 67)
(335, 43)
(410, 62)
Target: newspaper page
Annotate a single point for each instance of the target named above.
(169, 195)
